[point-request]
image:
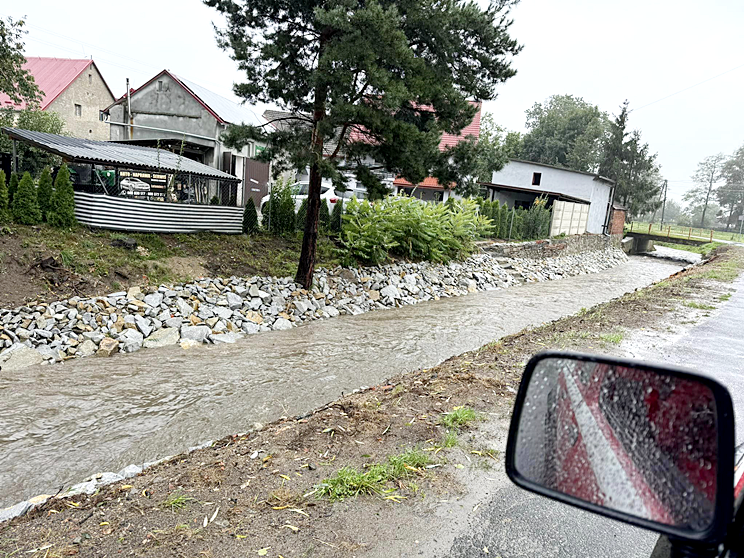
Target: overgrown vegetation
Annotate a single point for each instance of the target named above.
(459, 417)
(409, 228)
(518, 223)
(25, 205)
(704, 249)
(348, 482)
(279, 211)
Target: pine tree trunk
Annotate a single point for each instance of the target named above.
(306, 267)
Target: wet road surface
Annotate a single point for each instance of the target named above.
(59, 424)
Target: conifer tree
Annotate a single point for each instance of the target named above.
(250, 217)
(25, 205)
(338, 211)
(301, 216)
(324, 217)
(62, 212)
(4, 209)
(12, 187)
(44, 192)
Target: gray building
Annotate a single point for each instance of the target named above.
(520, 182)
(178, 115)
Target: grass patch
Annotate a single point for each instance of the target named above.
(614, 338)
(724, 297)
(458, 417)
(449, 440)
(704, 249)
(699, 306)
(176, 502)
(348, 482)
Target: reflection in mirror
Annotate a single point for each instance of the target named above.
(628, 439)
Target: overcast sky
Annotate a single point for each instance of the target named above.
(604, 51)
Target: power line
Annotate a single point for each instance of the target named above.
(688, 88)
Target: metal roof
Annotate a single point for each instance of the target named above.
(227, 110)
(53, 76)
(115, 154)
(535, 191)
(596, 176)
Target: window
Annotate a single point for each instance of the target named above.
(536, 176)
(90, 78)
(78, 110)
(160, 85)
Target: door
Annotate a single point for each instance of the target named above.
(256, 183)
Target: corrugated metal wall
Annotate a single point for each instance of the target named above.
(569, 218)
(120, 214)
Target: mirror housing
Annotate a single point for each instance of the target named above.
(630, 463)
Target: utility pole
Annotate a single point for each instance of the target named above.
(129, 109)
(663, 206)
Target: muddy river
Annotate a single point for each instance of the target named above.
(59, 424)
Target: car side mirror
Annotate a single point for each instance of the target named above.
(643, 444)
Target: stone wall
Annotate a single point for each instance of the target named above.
(552, 247)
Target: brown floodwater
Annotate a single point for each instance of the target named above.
(59, 424)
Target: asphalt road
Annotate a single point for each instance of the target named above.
(507, 522)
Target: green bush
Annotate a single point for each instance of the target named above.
(25, 205)
(250, 217)
(302, 215)
(12, 187)
(4, 210)
(324, 217)
(62, 211)
(214, 201)
(336, 224)
(281, 213)
(44, 192)
(412, 229)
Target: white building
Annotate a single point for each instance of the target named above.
(520, 182)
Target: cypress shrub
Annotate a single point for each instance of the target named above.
(250, 218)
(12, 187)
(62, 211)
(281, 209)
(4, 210)
(324, 216)
(25, 205)
(44, 192)
(336, 214)
(302, 215)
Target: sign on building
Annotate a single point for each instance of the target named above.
(143, 185)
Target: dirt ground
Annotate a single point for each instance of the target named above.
(39, 263)
(257, 494)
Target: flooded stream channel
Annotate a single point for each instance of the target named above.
(59, 424)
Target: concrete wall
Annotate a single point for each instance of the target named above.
(580, 185)
(552, 247)
(90, 92)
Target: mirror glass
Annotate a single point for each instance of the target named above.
(629, 439)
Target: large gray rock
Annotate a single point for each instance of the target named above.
(195, 333)
(223, 313)
(130, 340)
(184, 307)
(390, 292)
(143, 324)
(154, 299)
(86, 348)
(162, 337)
(282, 324)
(234, 301)
(19, 356)
(225, 338)
(173, 322)
(250, 328)
(12, 512)
(130, 471)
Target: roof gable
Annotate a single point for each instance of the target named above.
(53, 76)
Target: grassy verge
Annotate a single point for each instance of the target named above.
(385, 452)
(90, 262)
(704, 250)
(683, 232)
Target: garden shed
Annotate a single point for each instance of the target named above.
(133, 188)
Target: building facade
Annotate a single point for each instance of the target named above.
(527, 178)
(75, 90)
(173, 113)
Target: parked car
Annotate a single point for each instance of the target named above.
(130, 186)
(327, 193)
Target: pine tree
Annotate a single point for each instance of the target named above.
(12, 187)
(62, 211)
(324, 217)
(4, 210)
(301, 216)
(44, 192)
(250, 218)
(25, 205)
(338, 210)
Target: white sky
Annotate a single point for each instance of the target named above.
(604, 51)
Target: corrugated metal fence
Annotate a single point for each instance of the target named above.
(121, 214)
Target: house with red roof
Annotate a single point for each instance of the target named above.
(74, 89)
